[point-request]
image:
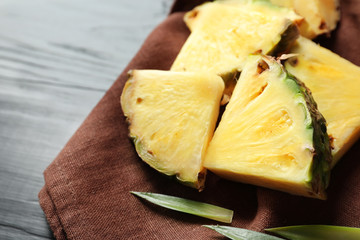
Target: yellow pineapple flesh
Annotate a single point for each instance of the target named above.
(271, 133)
(321, 16)
(172, 117)
(224, 33)
(335, 85)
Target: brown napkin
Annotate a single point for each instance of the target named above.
(86, 193)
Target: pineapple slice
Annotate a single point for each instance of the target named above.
(271, 133)
(335, 85)
(226, 32)
(172, 117)
(321, 16)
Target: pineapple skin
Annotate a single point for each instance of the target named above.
(315, 184)
(211, 88)
(335, 86)
(322, 158)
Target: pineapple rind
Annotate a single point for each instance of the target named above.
(287, 39)
(322, 157)
(143, 153)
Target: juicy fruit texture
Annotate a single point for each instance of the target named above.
(321, 16)
(172, 118)
(335, 85)
(271, 133)
(224, 33)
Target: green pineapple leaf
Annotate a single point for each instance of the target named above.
(312, 232)
(188, 206)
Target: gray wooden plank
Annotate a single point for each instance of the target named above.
(31, 215)
(57, 58)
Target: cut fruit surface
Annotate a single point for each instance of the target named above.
(224, 33)
(321, 16)
(172, 117)
(335, 85)
(271, 133)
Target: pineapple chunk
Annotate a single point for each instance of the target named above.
(172, 118)
(321, 16)
(271, 133)
(335, 85)
(226, 32)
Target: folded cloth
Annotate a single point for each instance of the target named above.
(86, 193)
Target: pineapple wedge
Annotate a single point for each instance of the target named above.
(321, 16)
(271, 133)
(335, 85)
(172, 118)
(226, 32)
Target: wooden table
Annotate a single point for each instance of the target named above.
(57, 59)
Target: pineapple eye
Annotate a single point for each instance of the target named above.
(322, 25)
(193, 13)
(262, 66)
(139, 100)
(293, 61)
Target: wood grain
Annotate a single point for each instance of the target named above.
(57, 59)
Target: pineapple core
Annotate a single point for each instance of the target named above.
(172, 118)
(268, 135)
(225, 33)
(335, 85)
